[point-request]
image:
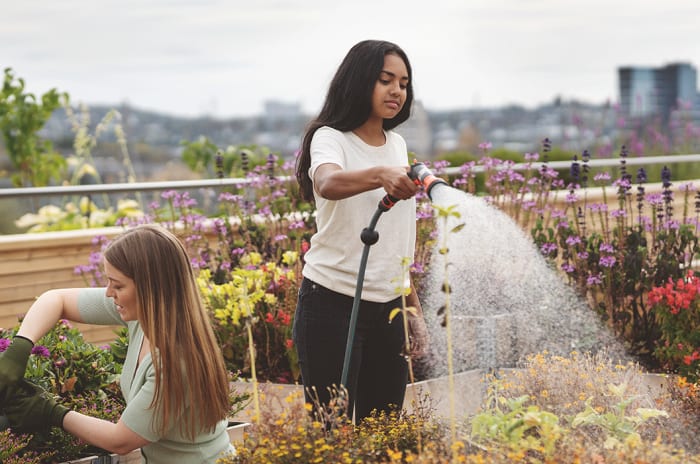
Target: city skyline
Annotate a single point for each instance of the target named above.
(225, 59)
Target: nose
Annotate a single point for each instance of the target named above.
(108, 292)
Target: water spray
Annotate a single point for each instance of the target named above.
(421, 176)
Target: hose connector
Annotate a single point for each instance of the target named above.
(424, 177)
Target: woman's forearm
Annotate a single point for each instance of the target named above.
(115, 438)
(47, 310)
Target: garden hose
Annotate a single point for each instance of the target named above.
(421, 176)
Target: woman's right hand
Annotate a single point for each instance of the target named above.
(13, 363)
(397, 183)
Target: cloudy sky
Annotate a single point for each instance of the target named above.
(226, 58)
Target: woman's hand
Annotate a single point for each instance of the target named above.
(13, 363)
(395, 181)
(33, 409)
(418, 335)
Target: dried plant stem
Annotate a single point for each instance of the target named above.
(251, 350)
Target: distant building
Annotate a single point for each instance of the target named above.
(649, 92)
(417, 131)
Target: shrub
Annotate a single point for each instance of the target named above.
(83, 377)
(677, 308)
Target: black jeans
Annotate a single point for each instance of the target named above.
(378, 370)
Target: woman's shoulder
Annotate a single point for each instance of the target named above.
(395, 139)
(328, 131)
(393, 136)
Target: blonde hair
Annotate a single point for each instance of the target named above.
(189, 366)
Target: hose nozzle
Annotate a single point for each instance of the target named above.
(424, 177)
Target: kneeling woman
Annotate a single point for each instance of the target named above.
(174, 379)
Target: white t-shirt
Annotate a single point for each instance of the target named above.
(333, 260)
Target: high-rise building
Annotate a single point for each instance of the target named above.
(647, 92)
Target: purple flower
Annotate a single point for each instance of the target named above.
(41, 350)
(568, 268)
(4, 343)
(618, 213)
(548, 248)
(558, 213)
(606, 248)
(654, 199)
(417, 268)
(573, 240)
(607, 261)
(687, 187)
(594, 280)
(424, 214)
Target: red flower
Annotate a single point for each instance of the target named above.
(688, 359)
(284, 318)
(289, 343)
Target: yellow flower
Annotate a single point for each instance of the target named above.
(290, 257)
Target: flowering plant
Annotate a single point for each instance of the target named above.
(82, 377)
(259, 295)
(677, 308)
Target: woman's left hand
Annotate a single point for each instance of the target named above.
(33, 409)
(418, 335)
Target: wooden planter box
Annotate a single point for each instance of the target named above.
(34, 263)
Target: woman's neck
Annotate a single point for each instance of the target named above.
(372, 133)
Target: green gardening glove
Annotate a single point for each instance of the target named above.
(13, 363)
(33, 409)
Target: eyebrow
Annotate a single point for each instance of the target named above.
(404, 78)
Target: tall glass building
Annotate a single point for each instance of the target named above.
(646, 91)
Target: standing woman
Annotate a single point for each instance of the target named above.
(350, 158)
(174, 380)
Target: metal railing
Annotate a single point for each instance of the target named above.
(24, 192)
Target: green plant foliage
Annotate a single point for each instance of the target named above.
(204, 157)
(510, 423)
(22, 116)
(82, 376)
(619, 426)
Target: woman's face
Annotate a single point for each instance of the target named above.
(390, 90)
(122, 290)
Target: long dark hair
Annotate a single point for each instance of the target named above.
(348, 103)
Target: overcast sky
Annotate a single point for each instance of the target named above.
(226, 58)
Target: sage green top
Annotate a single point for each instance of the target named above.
(138, 387)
